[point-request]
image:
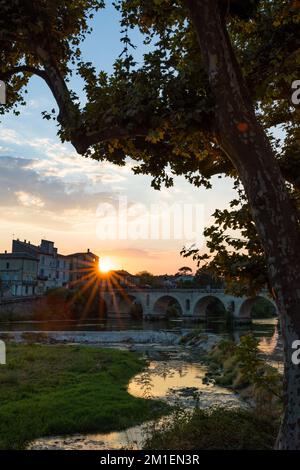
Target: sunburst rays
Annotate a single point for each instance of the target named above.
(94, 284)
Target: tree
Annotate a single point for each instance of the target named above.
(146, 278)
(184, 271)
(206, 277)
(218, 77)
(235, 250)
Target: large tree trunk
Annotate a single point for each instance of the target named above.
(247, 146)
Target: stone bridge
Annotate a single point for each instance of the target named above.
(190, 303)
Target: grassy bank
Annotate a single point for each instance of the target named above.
(213, 429)
(241, 368)
(49, 390)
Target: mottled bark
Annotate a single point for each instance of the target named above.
(244, 141)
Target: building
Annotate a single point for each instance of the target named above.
(18, 274)
(53, 268)
(82, 267)
(63, 270)
(34, 269)
(184, 278)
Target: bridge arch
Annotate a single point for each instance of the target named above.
(245, 310)
(167, 306)
(202, 305)
(126, 304)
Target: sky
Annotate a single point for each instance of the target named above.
(48, 191)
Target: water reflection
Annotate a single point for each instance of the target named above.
(161, 376)
(268, 345)
(180, 383)
(131, 439)
(217, 326)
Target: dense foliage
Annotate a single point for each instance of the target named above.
(161, 113)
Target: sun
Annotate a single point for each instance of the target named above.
(105, 265)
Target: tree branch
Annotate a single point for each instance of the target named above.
(23, 69)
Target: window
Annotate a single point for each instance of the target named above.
(187, 304)
(7, 265)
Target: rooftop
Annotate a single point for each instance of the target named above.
(19, 255)
(83, 253)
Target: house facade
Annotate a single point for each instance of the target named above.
(83, 266)
(33, 269)
(53, 269)
(18, 274)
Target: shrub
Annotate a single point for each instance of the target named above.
(216, 428)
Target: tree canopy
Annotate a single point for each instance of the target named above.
(162, 112)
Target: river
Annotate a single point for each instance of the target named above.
(174, 373)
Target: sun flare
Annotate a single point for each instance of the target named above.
(105, 265)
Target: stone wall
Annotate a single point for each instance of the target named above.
(18, 310)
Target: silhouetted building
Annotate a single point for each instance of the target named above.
(83, 266)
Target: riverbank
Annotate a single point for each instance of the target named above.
(175, 374)
(240, 368)
(47, 390)
(215, 429)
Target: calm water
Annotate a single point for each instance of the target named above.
(265, 330)
(263, 327)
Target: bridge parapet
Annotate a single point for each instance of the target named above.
(190, 303)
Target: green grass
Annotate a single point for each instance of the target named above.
(48, 390)
(215, 429)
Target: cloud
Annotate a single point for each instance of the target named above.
(10, 136)
(26, 193)
(54, 159)
(132, 252)
(29, 200)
